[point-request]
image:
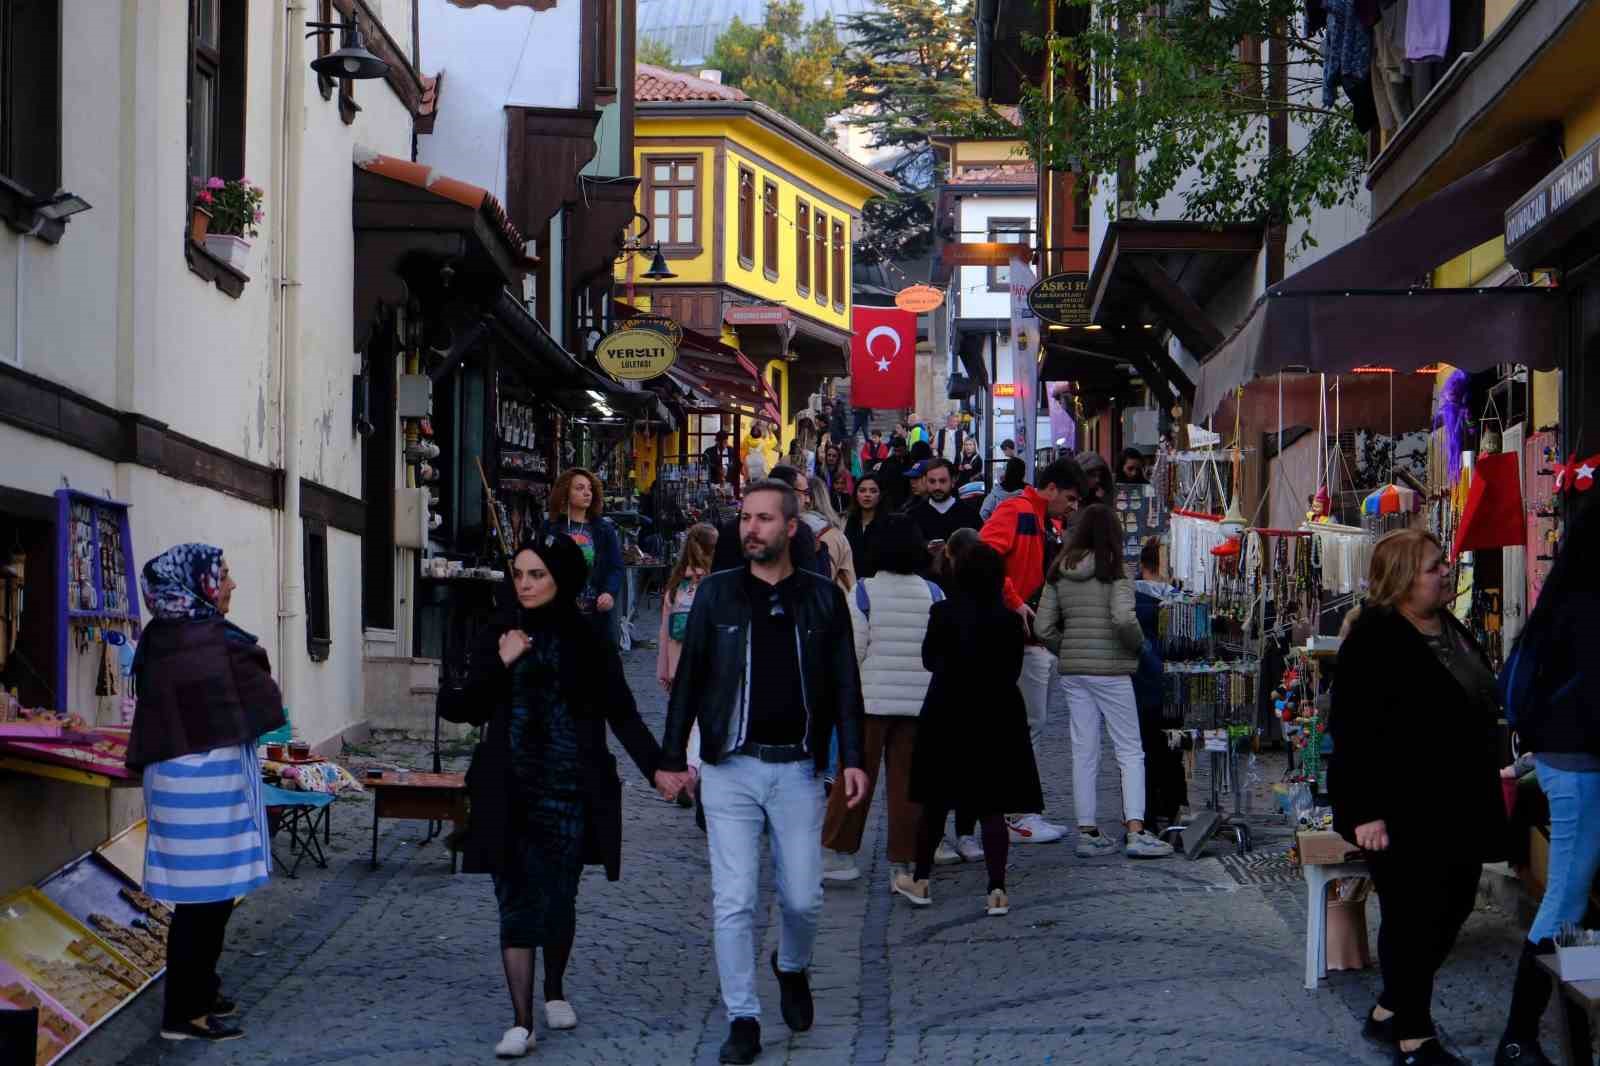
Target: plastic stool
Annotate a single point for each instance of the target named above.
(1317, 880)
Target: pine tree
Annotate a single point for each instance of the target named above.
(786, 63)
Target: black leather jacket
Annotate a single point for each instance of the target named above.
(712, 681)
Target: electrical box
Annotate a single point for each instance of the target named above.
(411, 518)
(414, 396)
(1141, 428)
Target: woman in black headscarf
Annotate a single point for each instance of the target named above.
(546, 799)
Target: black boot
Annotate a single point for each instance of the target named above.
(743, 1043)
(1530, 994)
(795, 992)
(1431, 1053)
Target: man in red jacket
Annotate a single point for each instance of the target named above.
(1020, 529)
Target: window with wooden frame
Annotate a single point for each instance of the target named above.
(319, 623)
(672, 201)
(1007, 231)
(747, 218)
(30, 102)
(802, 248)
(1081, 187)
(216, 88)
(839, 273)
(820, 260)
(769, 228)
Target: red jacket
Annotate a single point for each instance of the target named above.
(1016, 530)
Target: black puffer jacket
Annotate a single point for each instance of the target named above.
(713, 672)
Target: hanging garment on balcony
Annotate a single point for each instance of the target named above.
(1347, 62)
(1427, 30)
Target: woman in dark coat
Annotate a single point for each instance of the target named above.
(1415, 776)
(546, 799)
(864, 528)
(973, 751)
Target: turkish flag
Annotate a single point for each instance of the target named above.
(883, 358)
(1493, 517)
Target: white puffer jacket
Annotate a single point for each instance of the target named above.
(889, 613)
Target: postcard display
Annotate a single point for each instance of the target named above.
(97, 608)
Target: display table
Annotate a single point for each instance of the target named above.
(1572, 996)
(431, 798)
(99, 762)
(1318, 878)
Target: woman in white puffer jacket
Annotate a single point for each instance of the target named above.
(889, 613)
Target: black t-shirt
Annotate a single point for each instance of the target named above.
(777, 707)
(1466, 666)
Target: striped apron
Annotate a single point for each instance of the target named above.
(207, 837)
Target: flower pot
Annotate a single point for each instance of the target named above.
(199, 222)
(230, 249)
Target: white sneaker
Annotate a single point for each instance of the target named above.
(516, 1043)
(1092, 847)
(970, 848)
(1054, 826)
(945, 855)
(837, 866)
(558, 1014)
(1031, 829)
(1144, 845)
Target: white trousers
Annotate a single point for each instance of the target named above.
(1091, 700)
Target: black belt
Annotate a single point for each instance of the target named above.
(775, 752)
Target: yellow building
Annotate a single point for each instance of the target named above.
(755, 216)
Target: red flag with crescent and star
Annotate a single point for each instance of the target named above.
(883, 358)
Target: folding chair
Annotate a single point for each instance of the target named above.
(303, 814)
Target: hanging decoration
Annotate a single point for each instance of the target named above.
(1450, 414)
(1391, 499)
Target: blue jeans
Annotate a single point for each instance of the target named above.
(1574, 797)
(742, 796)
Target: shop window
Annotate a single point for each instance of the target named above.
(802, 248)
(769, 228)
(217, 54)
(747, 218)
(30, 98)
(1007, 231)
(319, 627)
(672, 193)
(820, 260)
(839, 274)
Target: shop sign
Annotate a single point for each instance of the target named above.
(983, 254)
(1558, 208)
(918, 299)
(756, 315)
(1061, 299)
(660, 323)
(1005, 389)
(636, 354)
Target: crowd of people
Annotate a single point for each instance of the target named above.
(810, 656)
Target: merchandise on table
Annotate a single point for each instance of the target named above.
(72, 965)
(58, 1029)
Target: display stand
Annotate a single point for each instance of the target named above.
(97, 594)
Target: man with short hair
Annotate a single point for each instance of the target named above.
(914, 488)
(1020, 529)
(936, 512)
(768, 671)
(1008, 449)
(947, 442)
(722, 463)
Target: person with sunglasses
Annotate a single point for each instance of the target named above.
(768, 672)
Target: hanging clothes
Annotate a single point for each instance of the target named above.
(1391, 74)
(1347, 62)
(1427, 30)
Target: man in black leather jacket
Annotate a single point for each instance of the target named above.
(768, 671)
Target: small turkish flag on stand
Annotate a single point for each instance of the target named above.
(1493, 517)
(883, 358)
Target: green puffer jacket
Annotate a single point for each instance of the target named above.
(1091, 625)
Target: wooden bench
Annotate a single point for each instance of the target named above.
(431, 798)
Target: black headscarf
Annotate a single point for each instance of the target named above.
(582, 654)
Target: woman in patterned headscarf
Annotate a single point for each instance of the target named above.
(205, 693)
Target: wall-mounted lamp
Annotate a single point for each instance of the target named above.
(658, 265)
(61, 206)
(659, 271)
(352, 60)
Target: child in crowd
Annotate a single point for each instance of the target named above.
(694, 563)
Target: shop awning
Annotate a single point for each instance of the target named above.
(551, 367)
(719, 373)
(1361, 305)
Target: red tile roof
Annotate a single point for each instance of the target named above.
(999, 174)
(658, 85)
(421, 176)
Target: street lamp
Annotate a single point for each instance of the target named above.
(352, 60)
(61, 206)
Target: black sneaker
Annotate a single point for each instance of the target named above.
(1379, 1032)
(1431, 1053)
(208, 1028)
(743, 1043)
(1521, 1053)
(794, 998)
(224, 1008)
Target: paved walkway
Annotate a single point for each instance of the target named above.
(1100, 961)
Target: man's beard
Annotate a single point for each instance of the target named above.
(939, 495)
(758, 551)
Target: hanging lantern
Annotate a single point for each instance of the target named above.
(1234, 522)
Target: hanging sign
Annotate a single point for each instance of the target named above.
(756, 315)
(1559, 208)
(636, 354)
(1062, 299)
(918, 299)
(660, 323)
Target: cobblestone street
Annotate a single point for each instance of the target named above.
(1102, 961)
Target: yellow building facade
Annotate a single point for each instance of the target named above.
(755, 216)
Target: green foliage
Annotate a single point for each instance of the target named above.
(234, 204)
(786, 63)
(656, 53)
(1176, 90)
(909, 72)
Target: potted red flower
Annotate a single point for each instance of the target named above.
(235, 208)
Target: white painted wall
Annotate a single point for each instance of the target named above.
(976, 301)
(493, 59)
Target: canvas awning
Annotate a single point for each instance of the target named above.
(1362, 305)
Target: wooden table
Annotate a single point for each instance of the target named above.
(1581, 996)
(433, 798)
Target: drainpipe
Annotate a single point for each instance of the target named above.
(291, 595)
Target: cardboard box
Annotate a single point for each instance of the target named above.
(1323, 847)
